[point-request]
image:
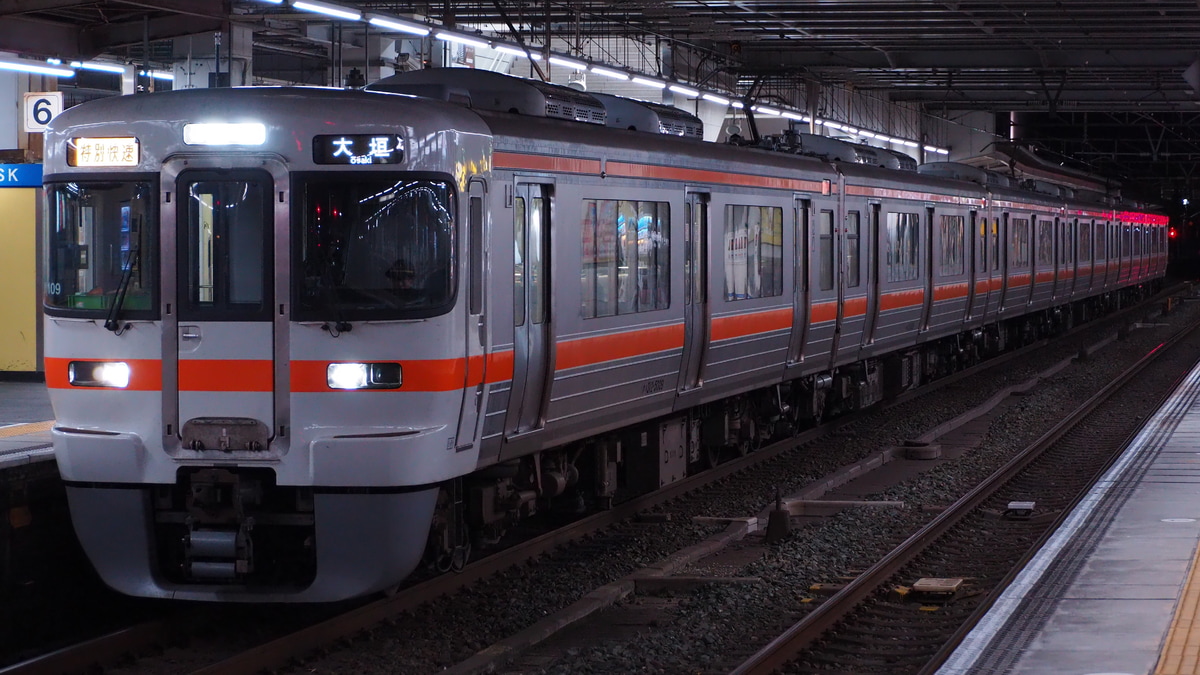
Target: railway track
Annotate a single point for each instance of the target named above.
(276, 653)
(929, 591)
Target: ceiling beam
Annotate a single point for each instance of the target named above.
(40, 38)
(785, 56)
(113, 35)
(10, 7)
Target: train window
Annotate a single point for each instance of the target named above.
(825, 251)
(1101, 241)
(903, 246)
(753, 251)
(1066, 244)
(626, 257)
(374, 248)
(98, 234)
(981, 254)
(1085, 241)
(519, 261)
(224, 247)
(853, 278)
(995, 245)
(1045, 243)
(952, 261)
(627, 248)
(539, 306)
(476, 243)
(1018, 252)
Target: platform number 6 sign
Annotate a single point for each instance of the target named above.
(40, 108)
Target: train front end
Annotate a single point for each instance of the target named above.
(256, 345)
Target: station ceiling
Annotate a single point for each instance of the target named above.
(1110, 85)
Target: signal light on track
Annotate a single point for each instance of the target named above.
(1172, 233)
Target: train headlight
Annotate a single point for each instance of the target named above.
(113, 374)
(363, 376)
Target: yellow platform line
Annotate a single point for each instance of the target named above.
(22, 429)
(1181, 651)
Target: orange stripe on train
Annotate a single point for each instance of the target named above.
(601, 348)
(743, 325)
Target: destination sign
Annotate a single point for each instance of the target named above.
(358, 149)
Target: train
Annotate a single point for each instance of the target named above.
(301, 342)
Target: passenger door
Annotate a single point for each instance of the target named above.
(473, 283)
(874, 272)
(801, 305)
(695, 291)
(532, 345)
(224, 333)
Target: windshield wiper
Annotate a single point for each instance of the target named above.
(112, 323)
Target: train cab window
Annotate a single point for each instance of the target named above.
(100, 236)
(853, 277)
(374, 248)
(1018, 251)
(903, 246)
(754, 251)
(625, 257)
(225, 268)
(952, 261)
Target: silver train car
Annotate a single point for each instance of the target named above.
(300, 340)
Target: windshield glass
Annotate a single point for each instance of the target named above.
(95, 231)
(372, 248)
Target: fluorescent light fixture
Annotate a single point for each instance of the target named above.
(867, 134)
(569, 63)
(609, 72)
(715, 99)
(911, 144)
(461, 39)
(221, 133)
(849, 129)
(736, 104)
(54, 62)
(30, 67)
(766, 111)
(941, 151)
(102, 67)
(392, 24)
(930, 148)
(157, 74)
(517, 51)
(686, 91)
(791, 115)
(647, 82)
(328, 10)
(272, 2)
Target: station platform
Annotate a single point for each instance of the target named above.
(25, 422)
(1116, 589)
